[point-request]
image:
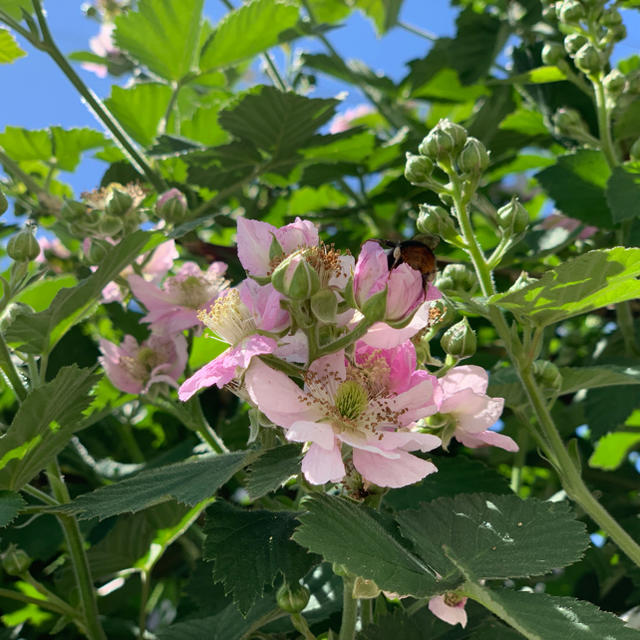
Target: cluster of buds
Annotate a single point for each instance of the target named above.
(23, 247)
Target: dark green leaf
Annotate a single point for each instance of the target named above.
(623, 192)
(576, 378)
(43, 425)
(606, 409)
(577, 185)
(9, 49)
(273, 468)
(250, 548)
(171, 31)
(188, 482)
(10, 505)
(221, 167)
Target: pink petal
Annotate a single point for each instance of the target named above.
(371, 272)
(162, 260)
(332, 370)
(320, 433)
(148, 293)
(293, 348)
(480, 413)
(409, 441)
(417, 401)
(404, 470)
(467, 376)
(264, 303)
(300, 233)
(254, 240)
(405, 292)
(172, 319)
(320, 466)
(486, 439)
(452, 615)
(383, 336)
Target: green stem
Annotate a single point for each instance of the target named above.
(40, 495)
(122, 139)
(79, 562)
(349, 610)
(274, 73)
(9, 370)
(347, 339)
(518, 463)
(604, 124)
(427, 35)
(14, 169)
(300, 624)
(54, 607)
(144, 598)
(162, 127)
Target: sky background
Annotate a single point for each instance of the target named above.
(36, 94)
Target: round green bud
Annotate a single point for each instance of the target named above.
(610, 18)
(171, 206)
(445, 139)
(295, 277)
(23, 247)
(109, 227)
(588, 59)
(292, 598)
(118, 203)
(98, 251)
(435, 220)
(474, 157)
(15, 561)
(456, 277)
(552, 53)
(417, 169)
(324, 305)
(569, 122)
(634, 152)
(571, 12)
(513, 217)
(547, 375)
(72, 210)
(573, 42)
(633, 83)
(459, 340)
(614, 82)
(4, 203)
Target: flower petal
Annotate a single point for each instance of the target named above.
(452, 615)
(409, 441)
(320, 433)
(320, 466)
(405, 469)
(486, 439)
(254, 240)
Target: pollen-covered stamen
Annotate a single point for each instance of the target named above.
(139, 367)
(229, 318)
(195, 290)
(323, 258)
(351, 399)
(452, 599)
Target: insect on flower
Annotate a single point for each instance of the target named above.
(417, 254)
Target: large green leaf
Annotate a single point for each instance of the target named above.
(577, 184)
(384, 13)
(612, 449)
(623, 192)
(15, 7)
(329, 11)
(188, 482)
(593, 280)
(250, 548)
(10, 505)
(171, 31)
(38, 332)
(9, 49)
(273, 468)
(44, 423)
(248, 30)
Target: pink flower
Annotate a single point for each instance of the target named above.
(343, 121)
(353, 404)
(450, 608)
(255, 239)
(134, 367)
(102, 45)
(175, 306)
(54, 246)
(468, 411)
(236, 317)
(570, 224)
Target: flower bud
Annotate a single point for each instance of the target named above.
(435, 220)
(474, 157)
(109, 227)
(295, 278)
(445, 139)
(459, 340)
(15, 561)
(569, 122)
(634, 152)
(574, 41)
(456, 277)
(72, 210)
(547, 375)
(614, 82)
(617, 33)
(4, 203)
(23, 247)
(633, 82)
(552, 53)
(324, 305)
(417, 169)
(98, 251)
(588, 59)
(118, 203)
(292, 598)
(513, 217)
(571, 12)
(12, 312)
(171, 206)
(610, 18)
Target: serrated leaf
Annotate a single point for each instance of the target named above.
(273, 468)
(250, 548)
(606, 409)
(44, 423)
(612, 449)
(354, 148)
(38, 332)
(220, 167)
(383, 13)
(329, 11)
(10, 505)
(140, 108)
(9, 49)
(593, 280)
(15, 7)
(576, 378)
(494, 536)
(248, 30)
(171, 31)
(577, 184)
(623, 192)
(188, 482)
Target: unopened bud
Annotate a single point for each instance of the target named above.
(459, 340)
(72, 210)
(456, 277)
(15, 561)
(574, 41)
(614, 82)
(171, 206)
(474, 157)
(513, 217)
(417, 169)
(445, 139)
(617, 33)
(633, 82)
(634, 152)
(588, 59)
(547, 375)
(4, 204)
(610, 18)
(435, 220)
(118, 203)
(98, 251)
(23, 247)
(292, 598)
(552, 53)
(109, 227)
(569, 122)
(571, 12)
(295, 277)
(324, 305)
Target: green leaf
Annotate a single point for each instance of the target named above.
(248, 30)
(250, 548)
(15, 7)
(272, 468)
(44, 423)
(593, 280)
(384, 13)
(38, 332)
(9, 49)
(606, 409)
(539, 75)
(541, 617)
(171, 31)
(576, 378)
(329, 11)
(354, 148)
(577, 184)
(139, 109)
(612, 449)
(188, 482)
(445, 85)
(623, 192)
(525, 121)
(10, 505)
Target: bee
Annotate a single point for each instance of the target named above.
(415, 253)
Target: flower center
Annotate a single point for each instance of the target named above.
(193, 291)
(351, 399)
(229, 318)
(452, 599)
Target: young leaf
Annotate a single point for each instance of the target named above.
(611, 450)
(273, 468)
(171, 31)
(43, 425)
(10, 505)
(248, 30)
(623, 192)
(593, 280)
(15, 7)
(9, 49)
(329, 11)
(384, 13)
(250, 548)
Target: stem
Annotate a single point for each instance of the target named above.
(162, 126)
(144, 598)
(300, 624)
(274, 73)
(40, 495)
(94, 104)
(427, 35)
(518, 463)
(9, 370)
(75, 547)
(54, 607)
(349, 610)
(604, 125)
